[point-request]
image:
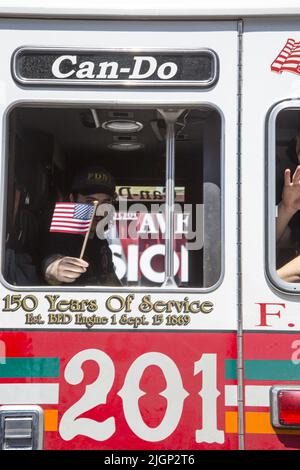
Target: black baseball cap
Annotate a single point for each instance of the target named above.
(93, 179)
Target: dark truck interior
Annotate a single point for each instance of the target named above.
(47, 145)
(287, 127)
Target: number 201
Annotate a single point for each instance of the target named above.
(71, 425)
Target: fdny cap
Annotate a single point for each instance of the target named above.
(92, 180)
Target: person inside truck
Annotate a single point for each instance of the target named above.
(61, 263)
(288, 218)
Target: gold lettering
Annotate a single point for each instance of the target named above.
(119, 299)
(197, 307)
(207, 306)
(157, 305)
(52, 299)
(146, 305)
(92, 306)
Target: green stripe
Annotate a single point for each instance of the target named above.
(25, 367)
(264, 370)
(230, 369)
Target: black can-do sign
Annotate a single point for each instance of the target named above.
(38, 66)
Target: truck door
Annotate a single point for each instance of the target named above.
(270, 283)
(151, 364)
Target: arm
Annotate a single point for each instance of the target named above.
(283, 231)
(290, 272)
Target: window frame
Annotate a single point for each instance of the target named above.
(270, 202)
(133, 104)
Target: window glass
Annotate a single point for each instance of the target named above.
(287, 195)
(61, 160)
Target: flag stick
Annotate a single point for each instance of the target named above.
(89, 229)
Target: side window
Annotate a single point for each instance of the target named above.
(284, 199)
(166, 215)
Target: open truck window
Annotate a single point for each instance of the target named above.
(49, 145)
(284, 201)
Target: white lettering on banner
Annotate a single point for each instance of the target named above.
(119, 263)
(112, 70)
(162, 222)
(71, 425)
(184, 264)
(209, 394)
(155, 223)
(148, 225)
(145, 261)
(174, 393)
(182, 223)
(132, 268)
(95, 394)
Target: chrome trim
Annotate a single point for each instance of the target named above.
(187, 13)
(274, 405)
(240, 357)
(270, 200)
(117, 105)
(170, 116)
(139, 126)
(34, 411)
(95, 117)
(114, 83)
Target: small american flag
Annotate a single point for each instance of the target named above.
(70, 217)
(288, 59)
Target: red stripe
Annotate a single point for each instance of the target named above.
(291, 66)
(70, 221)
(292, 61)
(290, 69)
(67, 231)
(71, 224)
(65, 227)
(276, 68)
